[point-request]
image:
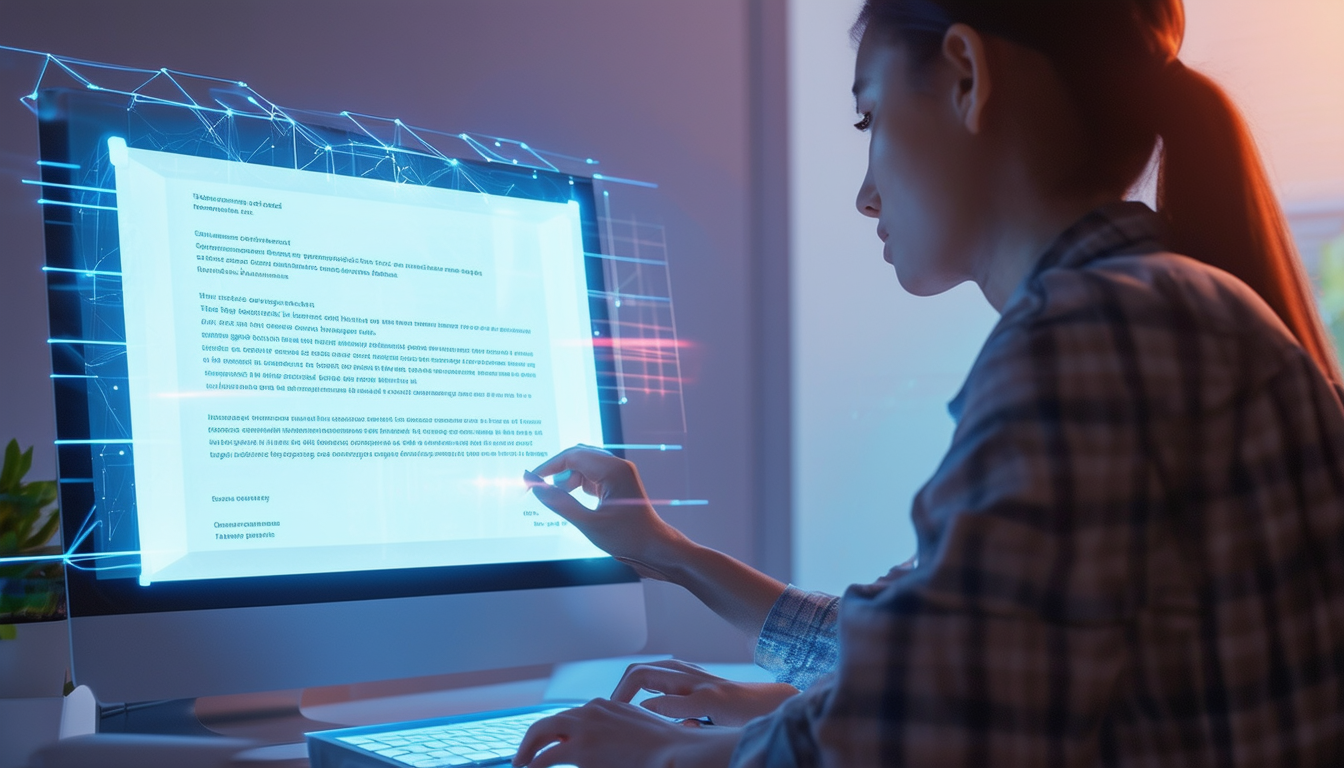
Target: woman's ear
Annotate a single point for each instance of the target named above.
(964, 52)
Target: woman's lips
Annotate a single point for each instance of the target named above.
(886, 254)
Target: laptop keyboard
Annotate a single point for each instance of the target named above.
(470, 743)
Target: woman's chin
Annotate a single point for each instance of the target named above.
(919, 282)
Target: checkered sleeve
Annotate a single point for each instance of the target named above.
(798, 643)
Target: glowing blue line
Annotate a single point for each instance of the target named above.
(44, 201)
(630, 296)
(71, 376)
(636, 447)
(629, 259)
(54, 164)
(616, 180)
(688, 503)
(86, 272)
(94, 442)
(69, 186)
(77, 480)
(72, 559)
(86, 341)
(32, 559)
(87, 83)
(85, 533)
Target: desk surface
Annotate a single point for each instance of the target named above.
(568, 682)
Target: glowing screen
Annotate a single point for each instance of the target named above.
(299, 361)
(330, 373)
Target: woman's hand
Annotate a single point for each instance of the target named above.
(689, 691)
(608, 734)
(624, 524)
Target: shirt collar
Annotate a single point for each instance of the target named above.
(1115, 229)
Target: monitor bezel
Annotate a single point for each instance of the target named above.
(73, 130)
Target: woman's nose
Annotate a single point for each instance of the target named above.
(868, 202)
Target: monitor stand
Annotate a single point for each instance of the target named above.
(258, 731)
(273, 717)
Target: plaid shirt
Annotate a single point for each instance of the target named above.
(1132, 554)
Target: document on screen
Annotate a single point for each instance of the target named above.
(330, 373)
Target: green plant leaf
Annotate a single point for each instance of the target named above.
(9, 476)
(25, 464)
(43, 534)
(26, 522)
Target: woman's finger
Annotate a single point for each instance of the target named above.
(560, 753)
(556, 499)
(547, 730)
(676, 706)
(594, 463)
(683, 666)
(646, 677)
(569, 480)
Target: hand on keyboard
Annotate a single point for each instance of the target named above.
(690, 692)
(610, 734)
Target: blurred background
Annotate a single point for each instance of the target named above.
(815, 388)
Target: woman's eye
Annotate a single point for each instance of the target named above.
(866, 122)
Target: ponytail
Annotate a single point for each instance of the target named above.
(1219, 206)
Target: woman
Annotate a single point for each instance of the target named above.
(1131, 554)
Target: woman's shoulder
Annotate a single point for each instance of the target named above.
(1157, 319)
(1159, 290)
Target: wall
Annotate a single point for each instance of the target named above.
(657, 91)
(873, 367)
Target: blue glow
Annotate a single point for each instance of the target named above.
(641, 447)
(636, 262)
(44, 201)
(632, 297)
(85, 272)
(86, 341)
(618, 180)
(626, 259)
(69, 186)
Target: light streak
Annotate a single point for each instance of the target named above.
(641, 447)
(87, 341)
(69, 186)
(44, 201)
(85, 272)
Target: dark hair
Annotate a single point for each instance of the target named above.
(1119, 61)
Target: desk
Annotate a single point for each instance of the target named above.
(568, 682)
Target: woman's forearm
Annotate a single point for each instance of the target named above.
(742, 595)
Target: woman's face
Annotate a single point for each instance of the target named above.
(921, 181)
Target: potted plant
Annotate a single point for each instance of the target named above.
(34, 644)
(30, 590)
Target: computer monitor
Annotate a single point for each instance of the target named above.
(299, 370)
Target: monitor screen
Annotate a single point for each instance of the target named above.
(295, 364)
